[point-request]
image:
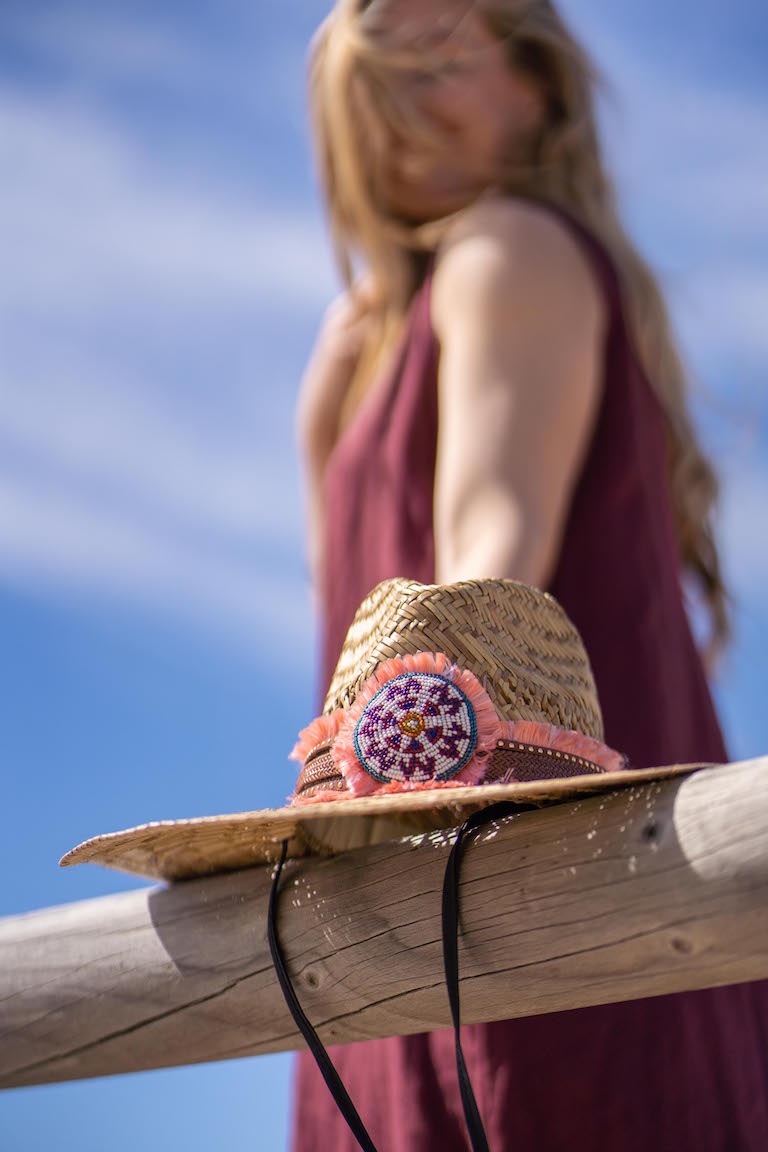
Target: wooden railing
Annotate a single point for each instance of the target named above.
(651, 889)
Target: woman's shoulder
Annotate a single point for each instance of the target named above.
(519, 247)
(518, 224)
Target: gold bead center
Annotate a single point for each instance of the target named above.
(412, 724)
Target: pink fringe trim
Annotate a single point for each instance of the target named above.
(337, 730)
(322, 730)
(359, 782)
(564, 740)
(395, 788)
(321, 797)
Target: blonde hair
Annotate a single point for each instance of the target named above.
(357, 106)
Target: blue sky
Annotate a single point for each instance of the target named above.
(164, 268)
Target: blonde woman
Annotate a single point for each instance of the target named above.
(498, 393)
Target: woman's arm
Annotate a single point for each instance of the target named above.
(323, 388)
(520, 318)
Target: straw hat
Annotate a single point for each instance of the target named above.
(445, 698)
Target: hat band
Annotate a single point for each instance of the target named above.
(421, 722)
(512, 761)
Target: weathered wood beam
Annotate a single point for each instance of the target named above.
(652, 889)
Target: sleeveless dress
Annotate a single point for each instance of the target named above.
(682, 1072)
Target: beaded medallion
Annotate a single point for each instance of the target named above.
(418, 727)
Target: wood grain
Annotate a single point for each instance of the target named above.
(653, 889)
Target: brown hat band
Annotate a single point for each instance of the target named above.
(512, 761)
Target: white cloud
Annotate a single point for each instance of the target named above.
(123, 483)
(135, 447)
(254, 65)
(90, 224)
(685, 144)
(103, 40)
(693, 185)
(51, 540)
(723, 312)
(119, 483)
(745, 529)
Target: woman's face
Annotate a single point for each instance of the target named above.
(469, 90)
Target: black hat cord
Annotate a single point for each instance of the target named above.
(450, 925)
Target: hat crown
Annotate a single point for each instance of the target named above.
(516, 639)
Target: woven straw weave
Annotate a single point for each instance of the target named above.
(516, 639)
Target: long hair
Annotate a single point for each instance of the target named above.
(358, 109)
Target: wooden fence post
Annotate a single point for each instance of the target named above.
(651, 889)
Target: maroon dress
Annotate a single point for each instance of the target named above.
(682, 1072)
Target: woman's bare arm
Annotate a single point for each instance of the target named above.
(323, 388)
(520, 318)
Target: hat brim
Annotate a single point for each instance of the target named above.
(184, 849)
